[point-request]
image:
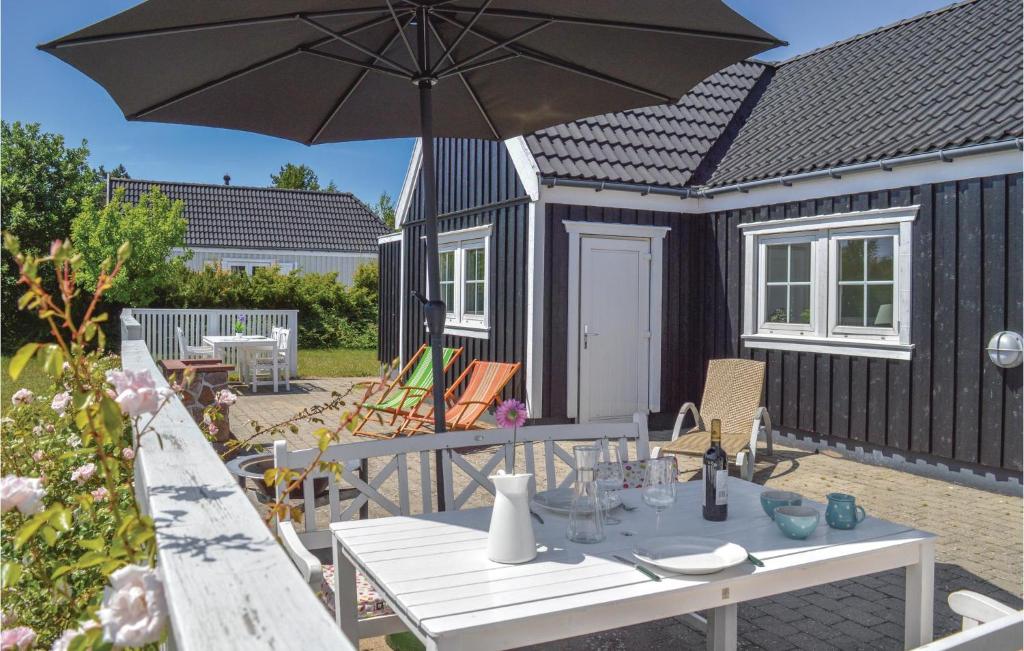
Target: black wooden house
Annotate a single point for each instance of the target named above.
(851, 216)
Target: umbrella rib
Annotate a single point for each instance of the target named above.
(355, 62)
(469, 89)
(250, 68)
(355, 45)
(401, 31)
(593, 22)
(463, 66)
(350, 91)
(465, 30)
(547, 59)
(183, 29)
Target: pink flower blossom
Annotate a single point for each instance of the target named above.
(134, 610)
(19, 638)
(50, 428)
(226, 397)
(100, 494)
(60, 402)
(22, 493)
(127, 454)
(38, 456)
(63, 643)
(137, 394)
(510, 414)
(22, 397)
(83, 473)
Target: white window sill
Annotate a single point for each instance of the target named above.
(467, 330)
(831, 346)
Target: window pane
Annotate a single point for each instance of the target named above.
(448, 296)
(800, 303)
(777, 263)
(851, 260)
(775, 304)
(474, 264)
(880, 306)
(879, 259)
(800, 262)
(851, 305)
(447, 264)
(237, 269)
(477, 290)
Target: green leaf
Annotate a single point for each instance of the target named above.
(30, 528)
(91, 559)
(94, 544)
(21, 358)
(112, 420)
(61, 519)
(61, 571)
(49, 535)
(53, 360)
(9, 574)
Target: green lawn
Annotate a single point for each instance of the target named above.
(338, 362)
(32, 377)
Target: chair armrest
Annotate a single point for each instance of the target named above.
(977, 608)
(762, 416)
(691, 408)
(307, 564)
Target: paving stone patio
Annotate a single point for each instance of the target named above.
(979, 544)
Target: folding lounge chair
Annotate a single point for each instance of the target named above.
(732, 394)
(483, 384)
(404, 395)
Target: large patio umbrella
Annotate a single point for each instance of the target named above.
(319, 71)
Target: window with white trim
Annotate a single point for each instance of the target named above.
(248, 266)
(464, 283)
(830, 283)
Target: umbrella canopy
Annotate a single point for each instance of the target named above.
(320, 71)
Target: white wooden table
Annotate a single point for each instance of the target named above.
(244, 346)
(434, 572)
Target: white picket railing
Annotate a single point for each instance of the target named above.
(158, 324)
(228, 583)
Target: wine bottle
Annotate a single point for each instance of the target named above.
(716, 476)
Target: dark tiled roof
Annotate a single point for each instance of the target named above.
(657, 145)
(267, 218)
(948, 78)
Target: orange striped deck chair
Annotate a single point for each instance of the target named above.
(483, 384)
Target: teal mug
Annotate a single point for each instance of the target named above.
(843, 512)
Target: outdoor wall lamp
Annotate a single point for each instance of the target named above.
(1006, 349)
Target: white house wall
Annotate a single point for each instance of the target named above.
(342, 264)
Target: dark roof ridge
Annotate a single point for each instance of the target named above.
(197, 184)
(872, 32)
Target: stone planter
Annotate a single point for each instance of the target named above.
(209, 377)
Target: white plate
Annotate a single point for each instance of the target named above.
(559, 500)
(689, 554)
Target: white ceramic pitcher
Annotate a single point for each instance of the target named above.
(510, 538)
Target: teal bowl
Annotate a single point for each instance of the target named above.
(797, 522)
(771, 500)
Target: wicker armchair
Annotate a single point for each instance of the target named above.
(732, 394)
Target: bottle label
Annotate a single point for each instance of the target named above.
(721, 487)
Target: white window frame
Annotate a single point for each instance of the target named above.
(457, 322)
(251, 265)
(824, 335)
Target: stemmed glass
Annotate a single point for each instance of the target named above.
(609, 479)
(659, 487)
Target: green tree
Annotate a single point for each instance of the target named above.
(43, 184)
(153, 227)
(296, 177)
(119, 172)
(385, 210)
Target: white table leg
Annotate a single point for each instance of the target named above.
(345, 599)
(721, 628)
(920, 598)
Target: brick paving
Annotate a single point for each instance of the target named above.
(979, 544)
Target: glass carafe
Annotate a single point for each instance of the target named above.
(586, 523)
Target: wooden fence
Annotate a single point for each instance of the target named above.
(158, 328)
(228, 583)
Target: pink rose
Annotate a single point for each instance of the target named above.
(100, 494)
(22, 397)
(19, 638)
(134, 610)
(127, 454)
(84, 473)
(38, 456)
(63, 643)
(22, 493)
(60, 402)
(136, 392)
(225, 397)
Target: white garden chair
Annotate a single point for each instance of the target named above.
(271, 362)
(191, 352)
(987, 625)
(306, 542)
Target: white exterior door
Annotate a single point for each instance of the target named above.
(614, 327)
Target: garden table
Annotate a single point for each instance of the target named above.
(244, 344)
(434, 572)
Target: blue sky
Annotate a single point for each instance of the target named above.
(36, 87)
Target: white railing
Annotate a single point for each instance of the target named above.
(158, 328)
(229, 584)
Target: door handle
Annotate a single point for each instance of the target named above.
(587, 334)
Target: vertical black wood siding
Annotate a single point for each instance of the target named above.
(949, 400)
(683, 291)
(390, 264)
(473, 176)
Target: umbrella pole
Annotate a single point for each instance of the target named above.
(434, 308)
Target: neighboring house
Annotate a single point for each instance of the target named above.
(851, 216)
(243, 228)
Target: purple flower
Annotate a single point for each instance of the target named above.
(241, 318)
(19, 638)
(511, 414)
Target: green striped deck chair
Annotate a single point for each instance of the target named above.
(405, 394)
